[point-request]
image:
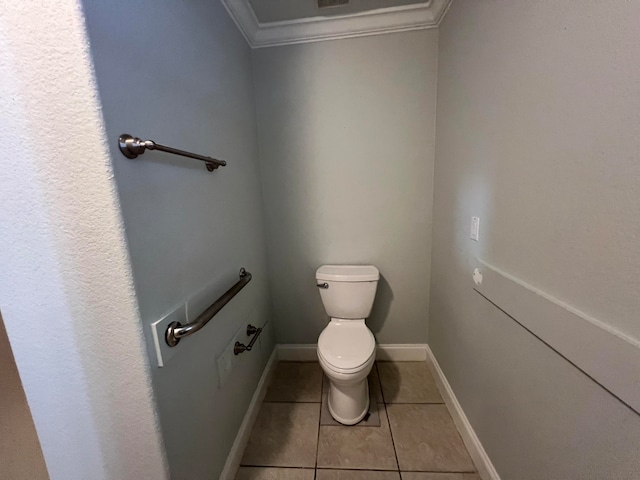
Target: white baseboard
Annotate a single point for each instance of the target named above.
(402, 352)
(303, 352)
(387, 352)
(482, 461)
(242, 438)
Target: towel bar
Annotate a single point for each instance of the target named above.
(131, 147)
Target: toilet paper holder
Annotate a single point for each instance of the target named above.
(238, 348)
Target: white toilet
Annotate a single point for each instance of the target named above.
(346, 347)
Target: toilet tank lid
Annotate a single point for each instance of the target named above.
(348, 273)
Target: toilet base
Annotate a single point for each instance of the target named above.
(348, 404)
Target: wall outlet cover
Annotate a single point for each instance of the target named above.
(164, 352)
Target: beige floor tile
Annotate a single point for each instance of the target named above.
(408, 382)
(426, 439)
(439, 476)
(269, 473)
(285, 435)
(295, 382)
(357, 447)
(356, 475)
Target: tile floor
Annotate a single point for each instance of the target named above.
(416, 438)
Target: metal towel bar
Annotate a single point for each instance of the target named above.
(175, 330)
(131, 147)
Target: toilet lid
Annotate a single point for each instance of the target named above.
(346, 344)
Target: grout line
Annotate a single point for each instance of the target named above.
(364, 469)
(384, 402)
(444, 472)
(315, 472)
(358, 469)
(277, 466)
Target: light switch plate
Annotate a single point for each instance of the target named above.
(164, 352)
(475, 228)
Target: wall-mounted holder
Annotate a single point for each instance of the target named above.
(131, 147)
(238, 348)
(477, 276)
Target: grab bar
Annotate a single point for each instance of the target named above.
(175, 330)
(131, 147)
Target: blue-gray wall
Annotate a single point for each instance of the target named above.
(537, 133)
(346, 152)
(180, 73)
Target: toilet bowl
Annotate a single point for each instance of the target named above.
(346, 347)
(346, 352)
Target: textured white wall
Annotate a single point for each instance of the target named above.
(537, 133)
(180, 73)
(346, 148)
(66, 290)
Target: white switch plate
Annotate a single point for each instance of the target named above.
(164, 352)
(475, 228)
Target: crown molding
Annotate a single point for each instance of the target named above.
(316, 29)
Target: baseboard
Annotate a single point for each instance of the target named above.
(242, 438)
(482, 461)
(402, 352)
(291, 352)
(391, 352)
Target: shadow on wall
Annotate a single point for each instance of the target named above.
(381, 306)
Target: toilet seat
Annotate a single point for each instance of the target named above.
(346, 345)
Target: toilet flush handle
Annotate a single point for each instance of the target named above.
(323, 285)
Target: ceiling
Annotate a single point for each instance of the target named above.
(287, 10)
(268, 23)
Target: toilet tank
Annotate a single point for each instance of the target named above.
(347, 291)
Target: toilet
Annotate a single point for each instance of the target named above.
(346, 347)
